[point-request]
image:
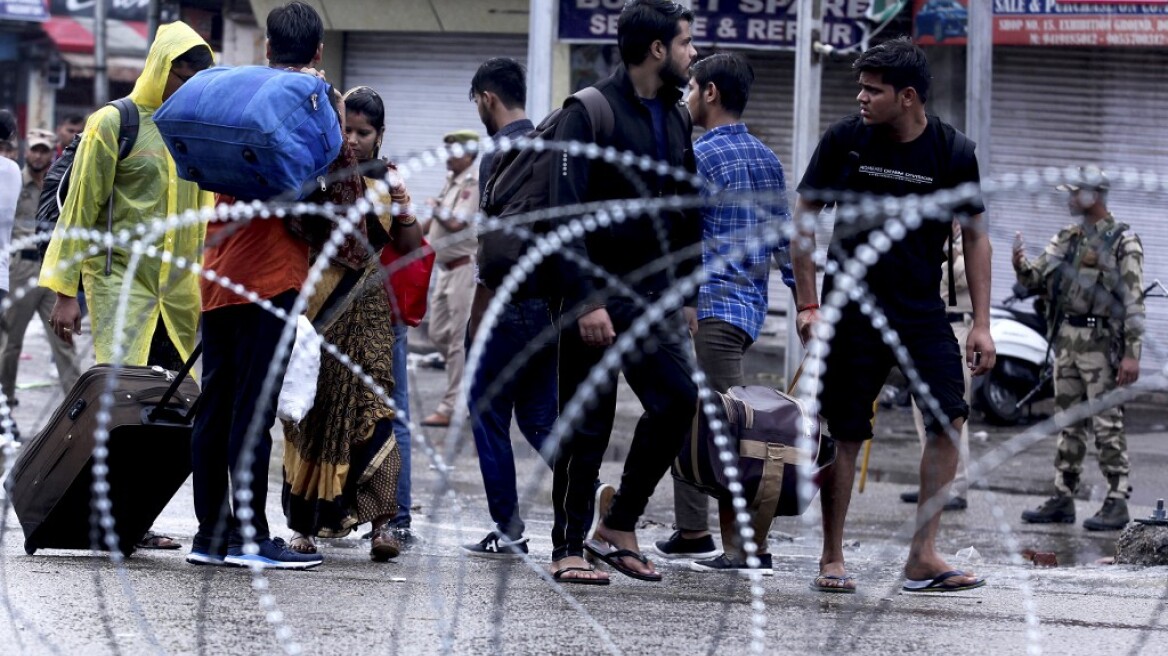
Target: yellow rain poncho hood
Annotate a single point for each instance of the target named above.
(144, 188)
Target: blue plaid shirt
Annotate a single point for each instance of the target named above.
(736, 289)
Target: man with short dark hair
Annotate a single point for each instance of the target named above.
(239, 345)
(26, 264)
(893, 148)
(517, 371)
(732, 302)
(70, 126)
(648, 252)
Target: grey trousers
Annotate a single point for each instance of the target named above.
(720, 347)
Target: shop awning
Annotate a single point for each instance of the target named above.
(119, 68)
(75, 35)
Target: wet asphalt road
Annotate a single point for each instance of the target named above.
(432, 599)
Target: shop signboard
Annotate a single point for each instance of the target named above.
(752, 24)
(1048, 22)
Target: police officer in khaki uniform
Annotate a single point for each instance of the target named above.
(1092, 273)
(450, 303)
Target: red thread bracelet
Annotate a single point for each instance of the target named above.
(809, 306)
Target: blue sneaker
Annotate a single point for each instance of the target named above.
(272, 554)
(196, 557)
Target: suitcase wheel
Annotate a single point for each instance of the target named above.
(29, 547)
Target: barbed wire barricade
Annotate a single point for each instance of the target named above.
(884, 220)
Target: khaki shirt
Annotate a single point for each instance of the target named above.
(460, 200)
(1098, 279)
(26, 209)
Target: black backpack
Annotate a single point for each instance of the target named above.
(520, 182)
(57, 178)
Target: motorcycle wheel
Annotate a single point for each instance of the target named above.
(998, 401)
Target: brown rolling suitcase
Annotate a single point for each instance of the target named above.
(149, 458)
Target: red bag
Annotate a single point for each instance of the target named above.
(408, 286)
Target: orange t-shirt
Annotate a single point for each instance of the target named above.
(262, 256)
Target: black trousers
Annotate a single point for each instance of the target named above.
(660, 373)
(239, 343)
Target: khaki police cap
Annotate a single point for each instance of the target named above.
(460, 136)
(39, 137)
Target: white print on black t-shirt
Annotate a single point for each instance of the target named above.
(901, 176)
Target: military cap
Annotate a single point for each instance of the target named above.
(1091, 178)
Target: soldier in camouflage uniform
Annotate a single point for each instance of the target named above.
(1092, 274)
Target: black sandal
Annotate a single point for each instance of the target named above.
(611, 556)
(558, 575)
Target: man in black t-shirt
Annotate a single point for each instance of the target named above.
(893, 148)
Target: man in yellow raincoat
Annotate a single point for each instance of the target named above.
(163, 298)
(162, 308)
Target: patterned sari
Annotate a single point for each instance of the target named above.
(341, 463)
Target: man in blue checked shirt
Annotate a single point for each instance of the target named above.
(741, 223)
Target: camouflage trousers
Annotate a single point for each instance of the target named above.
(1084, 371)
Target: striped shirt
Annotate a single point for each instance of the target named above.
(735, 257)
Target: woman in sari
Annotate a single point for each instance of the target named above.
(342, 462)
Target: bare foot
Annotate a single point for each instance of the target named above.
(301, 543)
(626, 540)
(586, 572)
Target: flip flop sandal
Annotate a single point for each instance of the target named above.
(937, 583)
(154, 540)
(558, 575)
(837, 589)
(611, 557)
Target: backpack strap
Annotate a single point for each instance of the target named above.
(128, 128)
(960, 146)
(599, 113)
(127, 136)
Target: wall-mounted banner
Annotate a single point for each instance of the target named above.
(1048, 22)
(754, 24)
(23, 10)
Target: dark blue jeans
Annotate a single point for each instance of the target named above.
(401, 422)
(517, 372)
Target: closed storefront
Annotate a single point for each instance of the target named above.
(1060, 107)
(424, 80)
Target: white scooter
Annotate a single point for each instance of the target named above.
(1021, 375)
(1024, 369)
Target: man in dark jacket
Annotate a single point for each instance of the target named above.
(641, 258)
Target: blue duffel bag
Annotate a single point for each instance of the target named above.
(253, 132)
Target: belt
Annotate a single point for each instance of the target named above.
(456, 262)
(956, 317)
(1086, 320)
(29, 254)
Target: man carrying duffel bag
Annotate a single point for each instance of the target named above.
(239, 335)
(108, 192)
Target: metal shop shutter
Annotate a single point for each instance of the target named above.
(770, 117)
(1073, 106)
(424, 80)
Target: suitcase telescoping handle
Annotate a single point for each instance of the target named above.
(180, 376)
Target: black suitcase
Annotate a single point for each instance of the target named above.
(149, 458)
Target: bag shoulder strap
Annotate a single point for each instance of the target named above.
(600, 113)
(128, 127)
